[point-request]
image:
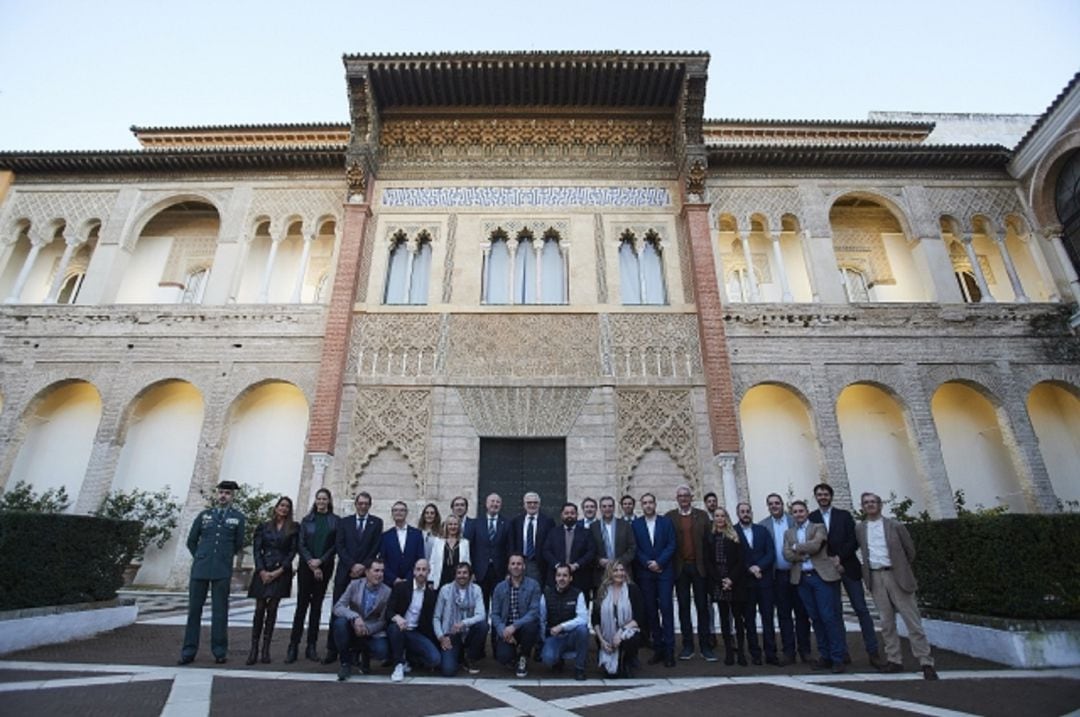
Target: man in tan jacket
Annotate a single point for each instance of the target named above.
(815, 573)
(887, 553)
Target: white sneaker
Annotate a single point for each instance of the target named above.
(521, 665)
(408, 668)
(399, 673)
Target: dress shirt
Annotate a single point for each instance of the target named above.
(650, 525)
(412, 615)
(826, 516)
(779, 527)
(748, 533)
(402, 534)
(877, 549)
(800, 536)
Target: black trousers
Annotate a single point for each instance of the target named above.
(309, 599)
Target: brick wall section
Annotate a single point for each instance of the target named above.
(324, 414)
(719, 394)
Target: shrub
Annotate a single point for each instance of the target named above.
(158, 513)
(22, 498)
(55, 559)
(1012, 565)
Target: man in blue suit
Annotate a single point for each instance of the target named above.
(655, 538)
(760, 557)
(572, 545)
(402, 545)
(790, 612)
(489, 545)
(357, 544)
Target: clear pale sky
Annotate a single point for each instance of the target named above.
(78, 74)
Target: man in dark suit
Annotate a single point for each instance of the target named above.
(411, 628)
(357, 544)
(691, 525)
(613, 540)
(760, 557)
(402, 545)
(216, 536)
(528, 531)
(570, 545)
(459, 506)
(489, 539)
(654, 536)
(842, 548)
(790, 612)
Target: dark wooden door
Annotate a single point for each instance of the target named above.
(512, 467)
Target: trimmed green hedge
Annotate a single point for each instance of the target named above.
(1015, 565)
(57, 559)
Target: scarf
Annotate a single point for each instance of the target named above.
(613, 615)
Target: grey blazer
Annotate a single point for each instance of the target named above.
(351, 605)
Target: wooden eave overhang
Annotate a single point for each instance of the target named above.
(525, 79)
(250, 135)
(860, 155)
(776, 132)
(185, 160)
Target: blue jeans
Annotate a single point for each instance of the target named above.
(411, 643)
(656, 589)
(821, 598)
(556, 647)
(857, 596)
(347, 641)
(525, 638)
(471, 642)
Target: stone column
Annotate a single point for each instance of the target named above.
(268, 272)
(1054, 236)
(71, 245)
(1014, 278)
(934, 262)
(980, 278)
(726, 461)
(105, 454)
(111, 257)
(305, 257)
(778, 255)
(24, 273)
(830, 442)
(1023, 445)
(824, 269)
(748, 257)
(926, 444)
(511, 251)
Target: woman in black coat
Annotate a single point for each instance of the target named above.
(275, 548)
(726, 571)
(318, 532)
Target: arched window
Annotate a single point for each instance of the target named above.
(536, 274)
(525, 270)
(641, 270)
(738, 285)
(855, 285)
(194, 287)
(497, 270)
(969, 287)
(69, 290)
(396, 270)
(421, 271)
(629, 272)
(322, 286)
(408, 270)
(1067, 203)
(552, 271)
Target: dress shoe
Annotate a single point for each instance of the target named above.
(741, 659)
(876, 661)
(929, 673)
(330, 658)
(838, 668)
(669, 661)
(291, 653)
(805, 657)
(220, 660)
(755, 659)
(343, 672)
(311, 654)
(892, 668)
(775, 661)
(687, 651)
(729, 658)
(847, 659)
(186, 659)
(821, 665)
(579, 675)
(657, 658)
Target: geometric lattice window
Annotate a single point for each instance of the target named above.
(855, 285)
(195, 287)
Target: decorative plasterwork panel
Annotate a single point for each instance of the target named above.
(523, 346)
(163, 198)
(655, 346)
(601, 260)
(187, 254)
(734, 259)
(961, 262)
(537, 227)
(858, 243)
(390, 417)
(964, 203)
(556, 196)
(448, 263)
(394, 345)
(743, 202)
(514, 131)
(523, 412)
(655, 418)
(309, 205)
(41, 208)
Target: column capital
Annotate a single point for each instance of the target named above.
(1052, 230)
(321, 460)
(966, 238)
(726, 460)
(72, 239)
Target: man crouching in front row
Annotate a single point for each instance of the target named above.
(360, 621)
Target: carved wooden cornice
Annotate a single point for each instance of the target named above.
(514, 132)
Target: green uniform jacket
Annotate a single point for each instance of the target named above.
(215, 539)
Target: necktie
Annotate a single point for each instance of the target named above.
(361, 525)
(569, 543)
(491, 530)
(530, 539)
(607, 540)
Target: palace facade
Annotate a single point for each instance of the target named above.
(548, 270)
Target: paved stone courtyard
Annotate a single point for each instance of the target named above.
(133, 671)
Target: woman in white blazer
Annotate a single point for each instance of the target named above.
(447, 552)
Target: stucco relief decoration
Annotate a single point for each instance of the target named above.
(550, 196)
(523, 412)
(648, 419)
(601, 260)
(655, 346)
(164, 198)
(743, 202)
(310, 205)
(695, 181)
(961, 262)
(186, 255)
(394, 345)
(525, 346)
(390, 417)
(41, 208)
(858, 243)
(536, 227)
(962, 204)
(356, 180)
(520, 131)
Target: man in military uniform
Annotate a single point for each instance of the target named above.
(216, 536)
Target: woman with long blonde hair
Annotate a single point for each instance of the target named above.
(726, 571)
(617, 615)
(447, 552)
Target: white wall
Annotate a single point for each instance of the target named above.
(159, 450)
(910, 284)
(976, 459)
(877, 448)
(779, 443)
(142, 277)
(57, 446)
(1055, 415)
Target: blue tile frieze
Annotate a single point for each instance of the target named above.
(566, 196)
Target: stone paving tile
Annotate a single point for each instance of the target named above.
(231, 696)
(559, 692)
(740, 700)
(137, 699)
(1032, 697)
(7, 675)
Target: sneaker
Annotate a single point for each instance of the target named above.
(709, 655)
(399, 673)
(343, 672)
(522, 667)
(472, 668)
(579, 675)
(687, 652)
(408, 668)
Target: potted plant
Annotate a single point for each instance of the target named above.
(159, 514)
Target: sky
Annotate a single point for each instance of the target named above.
(79, 74)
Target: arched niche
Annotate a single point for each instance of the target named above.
(59, 437)
(659, 474)
(1054, 410)
(388, 477)
(780, 444)
(265, 437)
(879, 453)
(974, 448)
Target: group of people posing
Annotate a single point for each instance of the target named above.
(436, 594)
